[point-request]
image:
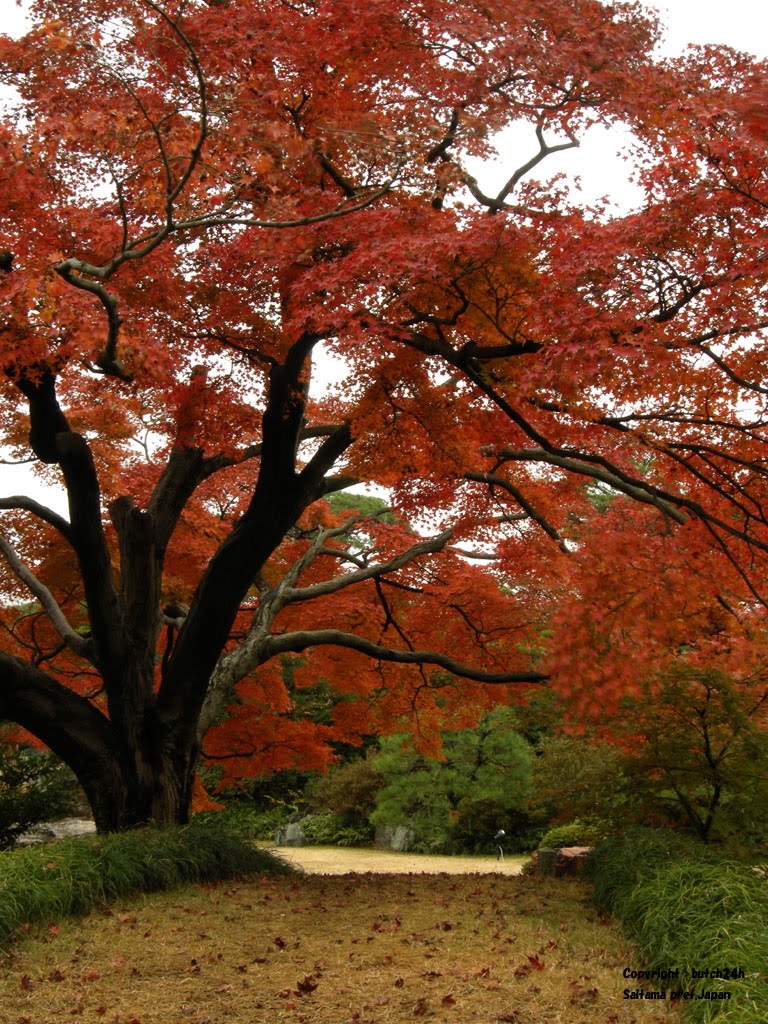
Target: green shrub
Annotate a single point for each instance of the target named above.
(246, 820)
(489, 764)
(330, 830)
(703, 756)
(34, 786)
(265, 821)
(575, 833)
(74, 875)
(349, 791)
(575, 778)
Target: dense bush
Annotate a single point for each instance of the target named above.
(46, 883)
(489, 764)
(349, 791)
(331, 830)
(687, 908)
(703, 757)
(576, 778)
(244, 819)
(35, 786)
(575, 833)
(282, 792)
(689, 751)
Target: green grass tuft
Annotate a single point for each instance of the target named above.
(688, 909)
(74, 875)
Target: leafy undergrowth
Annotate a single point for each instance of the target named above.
(71, 877)
(350, 949)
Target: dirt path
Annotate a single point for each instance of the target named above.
(335, 860)
(365, 948)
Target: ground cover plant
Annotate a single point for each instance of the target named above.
(349, 949)
(74, 875)
(691, 910)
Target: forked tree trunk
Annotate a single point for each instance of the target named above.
(135, 790)
(134, 746)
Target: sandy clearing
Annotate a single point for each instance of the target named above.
(336, 860)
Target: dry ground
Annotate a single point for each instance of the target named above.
(334, 860)
(333, 949)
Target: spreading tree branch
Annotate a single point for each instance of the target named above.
(23, 503)
(69, 724)
(54, 442)
(497, 481)
(291, 594)
(281, 494)
(79, 644)
(260, 645)
(305, 639)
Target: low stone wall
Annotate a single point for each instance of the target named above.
(568, 861)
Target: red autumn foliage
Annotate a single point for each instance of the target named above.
(203, 205)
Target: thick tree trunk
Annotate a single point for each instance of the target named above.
(122, 798)
(133, 771)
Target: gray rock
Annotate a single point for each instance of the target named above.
(402, 840)
(566, 862)
(399, 839)
(383, 837)
(293, 834)
(47, 832)
(571, 860)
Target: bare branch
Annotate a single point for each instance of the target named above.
(47, 515)
(485, 556)
(79, 273)
(289, 594)
(545, 150)
(342, 210)
(202, 134)
(66, 722)
(748, 385)
(517, 494)
(255, 650)
(440, 151)
(304, 639)
(495, 205)
(79, 644)
(107, 360)
(646, 494)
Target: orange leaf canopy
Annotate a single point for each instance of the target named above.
(202, 206)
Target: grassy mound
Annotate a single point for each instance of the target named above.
(690, 910)
(46, 883)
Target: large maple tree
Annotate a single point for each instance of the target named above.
(205, 203)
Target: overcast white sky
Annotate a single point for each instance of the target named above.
(597, 166)
(742, 24)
